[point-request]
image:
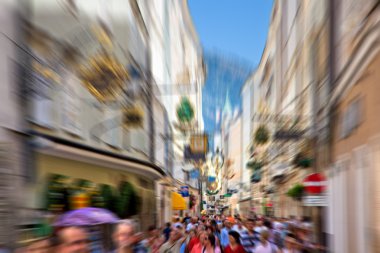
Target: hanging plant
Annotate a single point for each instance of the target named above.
(261, 135)
(254, 165)
(256, 176)
(296, 192)
(302, 160)
(185, 111)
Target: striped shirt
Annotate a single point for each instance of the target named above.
(249, 241)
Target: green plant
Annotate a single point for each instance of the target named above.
(296, 191)
(302, 160)
(254, 165)
(128, 202)
(261, 135)
(185, 111)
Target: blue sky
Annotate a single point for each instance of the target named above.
(237, 27)
(233, 35)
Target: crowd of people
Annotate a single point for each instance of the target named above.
(208, 234)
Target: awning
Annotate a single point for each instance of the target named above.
(178, 202)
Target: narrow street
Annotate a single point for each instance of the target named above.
(189, 126)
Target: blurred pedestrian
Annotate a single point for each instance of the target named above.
(126, 240)
(238, 227)
(167, 231)
(197, 248)
(209, 245)
(194, 240)
(265, 245)
(278, 235)
(259, 226)
(42, 245)
(73, 240)
(154, 241)
(173, 245)
(177, 222)
(234, 243)
(250, 238)
(291, 245)
(191, 225)
(186, 219)
(225, 241)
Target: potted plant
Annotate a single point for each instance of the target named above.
(296, 192)
(185, 111)
(261, 135)
(302, 160)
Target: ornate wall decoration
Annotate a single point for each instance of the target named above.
(104, 76)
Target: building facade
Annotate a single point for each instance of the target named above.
(353, 217)
(59, 120)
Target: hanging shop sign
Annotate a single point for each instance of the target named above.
(199, 143)
(133, 117)
(194, 174)
(185, 191)
(185, 111)
(190, 156)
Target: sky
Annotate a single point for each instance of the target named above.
(237, 27)
(233, 35)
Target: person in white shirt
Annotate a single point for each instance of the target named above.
(259, 227)
(191, 225)
(177, 222)
(238, 227)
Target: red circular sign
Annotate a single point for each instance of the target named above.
(315, 183)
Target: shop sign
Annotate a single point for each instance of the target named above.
(190, 156)
(194, 174)
(199, 144)
(315, 200)
(185, 191)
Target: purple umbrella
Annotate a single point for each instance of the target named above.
(88, 216)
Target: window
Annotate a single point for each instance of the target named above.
(351, 117)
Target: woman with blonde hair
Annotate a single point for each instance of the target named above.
(265, 246)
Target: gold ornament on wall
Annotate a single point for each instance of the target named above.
(104, 76)
(133, 117)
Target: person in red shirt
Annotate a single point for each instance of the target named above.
(194, 240)
(197, 248)
(235, 244)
